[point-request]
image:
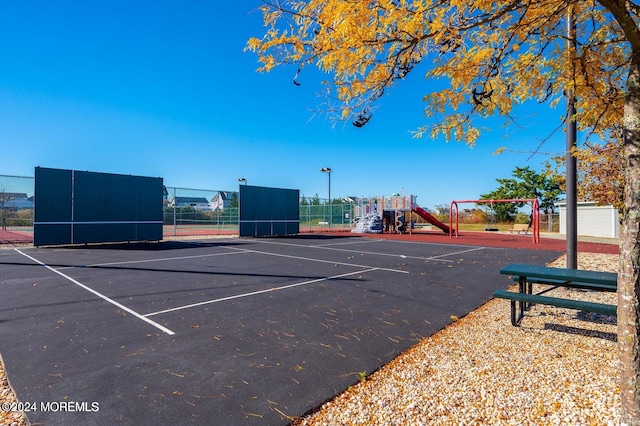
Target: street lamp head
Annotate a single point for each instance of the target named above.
(242, 180)
(326, 169)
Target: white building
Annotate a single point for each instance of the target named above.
(17, 203)
(15, 200)
(221, 201)
(593, 221)
(198, 203)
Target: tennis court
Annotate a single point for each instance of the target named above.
(225, 331)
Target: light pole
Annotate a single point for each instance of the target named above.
(328, 171)
(243, 181)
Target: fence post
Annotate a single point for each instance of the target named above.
(175, 229)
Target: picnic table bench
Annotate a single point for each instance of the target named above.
(519, 227)
(527, 275)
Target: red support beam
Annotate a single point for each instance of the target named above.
(535, 211)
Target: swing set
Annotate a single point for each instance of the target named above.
(535, 214)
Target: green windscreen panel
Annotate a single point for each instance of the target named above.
(268, 211)
(76, 207)
(54, 206)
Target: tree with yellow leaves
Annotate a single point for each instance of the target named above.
(600, 173)
(493, 55)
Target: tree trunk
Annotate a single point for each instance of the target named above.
(629, 276)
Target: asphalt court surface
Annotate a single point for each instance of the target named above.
(225, 331)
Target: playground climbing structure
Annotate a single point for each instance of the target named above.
(391, 212)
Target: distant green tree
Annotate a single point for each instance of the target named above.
(233, 200)
(502, 212)
(526, 183)
(315, 201)
(304, 201)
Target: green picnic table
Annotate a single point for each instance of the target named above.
(527, 275)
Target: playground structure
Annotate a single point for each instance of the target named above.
(388, 214)
(391, 215)
(535, 214)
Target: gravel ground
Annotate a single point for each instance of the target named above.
(558, 368)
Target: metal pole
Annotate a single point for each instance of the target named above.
(330, 204)
(175, 228)
(328, 171)
(571, 170)
(404, 203)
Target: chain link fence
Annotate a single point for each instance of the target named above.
(16, 208)
(550, 222)
(200, 212)
(322, 216)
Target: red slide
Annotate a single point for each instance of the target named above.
(429, 218)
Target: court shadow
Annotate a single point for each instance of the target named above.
(146, 246)
(597, 318)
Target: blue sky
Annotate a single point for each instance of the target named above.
(164, 88)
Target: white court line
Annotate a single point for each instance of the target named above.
(100, 295)
(310, 259)
(403, 256)
(361, 241)
(322, 247)
(254, 293)
(435, 244)
(95, 265)
(459, 252)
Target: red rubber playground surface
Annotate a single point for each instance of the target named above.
(493, 239)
